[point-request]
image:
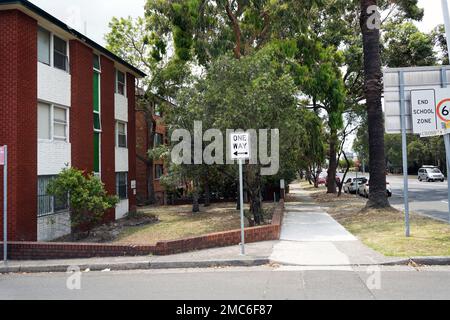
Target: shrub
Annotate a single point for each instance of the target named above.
(88, 198)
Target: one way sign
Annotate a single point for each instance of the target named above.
(240, 146)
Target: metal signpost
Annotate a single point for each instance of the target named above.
(240, 150)
(4, 163)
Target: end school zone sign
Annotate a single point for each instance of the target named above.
(430, 110)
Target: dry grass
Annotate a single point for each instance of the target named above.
(384, 230)
(178, 222)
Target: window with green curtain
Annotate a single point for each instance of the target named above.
(96, 92)
(97, 122)
(96, 152)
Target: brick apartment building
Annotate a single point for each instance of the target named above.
(150, 133)
(64, 101)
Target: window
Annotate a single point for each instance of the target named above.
(52, 122)
(97, 116)
(159, 171)
(47, 204)
(44, 126)
(60, 123)
(96, 63)
(97, 122)
(48, 43)
(122, 185)
(159, 140)
(121, 129)
(44, 46)
(97, 153)
(120, 82)
(60, 53)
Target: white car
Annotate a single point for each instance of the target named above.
(364, 189)
(352, 184)
(430, 173)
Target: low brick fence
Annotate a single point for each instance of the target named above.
(49, 250)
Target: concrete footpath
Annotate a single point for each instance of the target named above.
(311, 237)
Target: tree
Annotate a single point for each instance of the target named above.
(244, 93)
(440, 40)
(405, 46)
(370, 24)
(87, 196)
(136, 41)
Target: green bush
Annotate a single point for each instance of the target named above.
(88, 198)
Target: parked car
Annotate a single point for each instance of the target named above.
(364, 189)
(430, 173)
(352, 184)
(338, 180)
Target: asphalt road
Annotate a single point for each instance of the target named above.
(258, 283)
(427, 198)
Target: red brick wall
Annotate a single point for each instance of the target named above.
(131, 94)
(44, 251)
(36, 251)
(142, 146)
(18, 121)
(141, 150)
(224, 239)
(108, 129)
(81, 111)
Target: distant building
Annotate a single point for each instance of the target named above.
(151, 132)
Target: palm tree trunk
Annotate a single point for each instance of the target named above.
(333, 163)
(373, 90)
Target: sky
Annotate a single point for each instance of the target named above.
(96, 14)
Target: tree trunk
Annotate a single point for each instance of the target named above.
(207, 191)
(331, 180)
(254, 192)
(195, 197)
(373, 89)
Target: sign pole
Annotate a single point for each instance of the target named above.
(5, 204)
(241, 194)
(404, 153)
(240, 150)
(444, 5)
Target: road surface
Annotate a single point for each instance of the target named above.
(237, 284)
(427, 198)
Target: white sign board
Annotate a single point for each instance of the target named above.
(424, 117)
(424, 79)
(430, 111)
(2, 156)
(240, 146)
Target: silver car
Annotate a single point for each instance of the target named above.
(430, 173)
(364, 190)
(352, 184)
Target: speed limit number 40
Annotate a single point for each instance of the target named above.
(443, 110)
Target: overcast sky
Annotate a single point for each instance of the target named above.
(97, 13)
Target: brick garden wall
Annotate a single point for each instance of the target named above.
(44, 251)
